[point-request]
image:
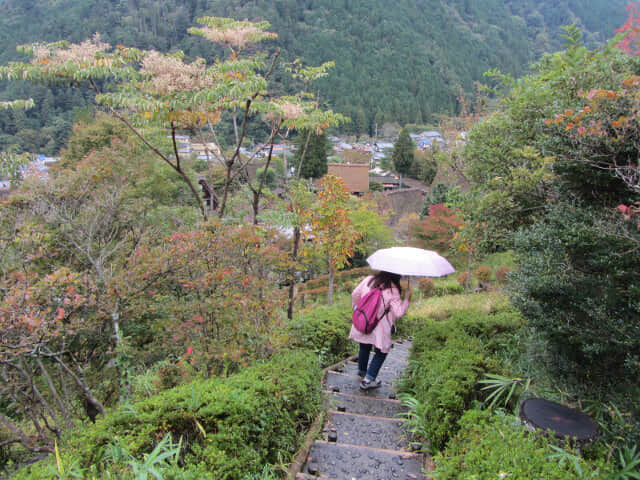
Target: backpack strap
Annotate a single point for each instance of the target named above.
(386, 309)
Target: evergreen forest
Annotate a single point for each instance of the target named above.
(406, 64)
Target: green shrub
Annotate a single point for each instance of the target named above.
(448, 359)
(576, 287)
(227, 427)
(448, 287)
(325, 331)
(492, 329)
(443, 382)
(495, 446)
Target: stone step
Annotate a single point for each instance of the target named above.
(366, 431)
(364, 405)
(390, 370)
(348, 462)
(341, 383)
(400, 350)
(306, 476)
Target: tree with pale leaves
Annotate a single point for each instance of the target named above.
(162, 91)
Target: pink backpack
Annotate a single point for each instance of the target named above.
(365, 315)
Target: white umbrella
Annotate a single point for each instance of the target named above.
(410, 261)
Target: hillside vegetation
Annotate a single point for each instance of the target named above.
(146, 329)
(404, 64)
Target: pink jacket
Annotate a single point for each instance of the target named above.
(381, 335)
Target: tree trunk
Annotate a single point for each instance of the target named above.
(332, 275)
(54, 393)
(294, 258)
(258, 193)
(92, 403)
(303, 154)
(468, 279)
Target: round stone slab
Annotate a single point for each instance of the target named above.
(562, 420)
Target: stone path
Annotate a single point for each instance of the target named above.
(364, 436)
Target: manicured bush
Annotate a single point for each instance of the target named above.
(498, 446)
(325, 331)
(443, 382)
(491, 328)
(484, 273)
(502, 273)
(448, 359)
(426, 286)
(462, 278)
(228, 427)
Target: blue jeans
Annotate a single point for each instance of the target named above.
(376, 362)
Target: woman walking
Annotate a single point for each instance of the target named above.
(392, 306)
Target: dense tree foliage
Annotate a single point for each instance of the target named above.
(404, 64)
(311, 154)
(106, 275)
(437, 230)
(558, 164)
(403, 153)
(424, 166)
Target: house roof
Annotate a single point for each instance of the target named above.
(354, 175)
(385, 180)
(208, 147)
(415, 184)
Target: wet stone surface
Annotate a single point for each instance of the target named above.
(366, 431)
(391, 369)
(379, 407)
(364, 438)
(344, 462)
(337, 382)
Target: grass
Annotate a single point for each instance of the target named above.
(501, 259)
(443, 307)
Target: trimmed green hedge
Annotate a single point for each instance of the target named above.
(229, 427)
(447, 360)
(494, 446)
(325, 331)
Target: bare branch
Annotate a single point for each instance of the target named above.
(22, 437)
(80, 382)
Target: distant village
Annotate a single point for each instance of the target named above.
(357, 171)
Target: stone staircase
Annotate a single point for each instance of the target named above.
(364, 436)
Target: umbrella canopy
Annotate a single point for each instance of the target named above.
(410, 261)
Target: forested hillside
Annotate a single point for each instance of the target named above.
(405, 62)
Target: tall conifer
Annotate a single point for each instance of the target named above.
(402, 155)
(314, 163)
